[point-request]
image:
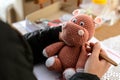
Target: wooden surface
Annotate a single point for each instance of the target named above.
(106, 31)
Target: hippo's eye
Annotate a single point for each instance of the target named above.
(82, 23)
(74, 20)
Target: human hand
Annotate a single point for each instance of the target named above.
(95, 64)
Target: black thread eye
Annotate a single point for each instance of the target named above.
(74, 20)
(82, 23)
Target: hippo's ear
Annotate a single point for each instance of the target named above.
(78, 12)
(98, 20)
(91, 16)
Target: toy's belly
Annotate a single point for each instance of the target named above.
(69, 56)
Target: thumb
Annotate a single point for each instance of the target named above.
(96, 50)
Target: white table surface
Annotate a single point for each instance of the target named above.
(20, 26)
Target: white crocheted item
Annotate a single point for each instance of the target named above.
(114, 72)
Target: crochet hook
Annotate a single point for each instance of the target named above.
(108, 59)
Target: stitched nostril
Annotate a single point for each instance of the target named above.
(81, 32)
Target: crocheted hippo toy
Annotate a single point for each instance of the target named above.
(69, 55)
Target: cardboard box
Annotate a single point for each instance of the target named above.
(51, 12)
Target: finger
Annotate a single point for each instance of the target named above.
(92, 44)
(103, 55)
(96, 50)
(106, 63)
(89, 47)
(103, 52)
(82, 58)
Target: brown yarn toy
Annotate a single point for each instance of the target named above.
(69, 55)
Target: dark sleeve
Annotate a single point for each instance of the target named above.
(84, 76)
(16, 60)
(39, 39)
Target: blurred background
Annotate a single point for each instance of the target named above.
(16, 10)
